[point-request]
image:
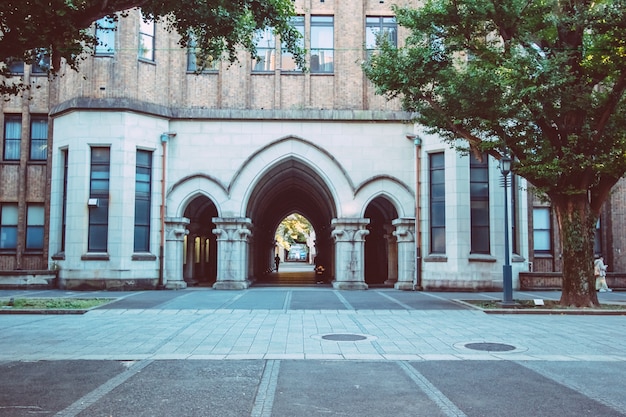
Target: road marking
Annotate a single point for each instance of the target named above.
(87, 400)
(264, 401)
(438, 397)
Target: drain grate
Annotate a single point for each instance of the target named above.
(344, 337)
(490, 347)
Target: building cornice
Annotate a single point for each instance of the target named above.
(137, 106)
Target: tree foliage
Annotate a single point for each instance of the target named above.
(60, 28)
(543, 80)
(294, 228)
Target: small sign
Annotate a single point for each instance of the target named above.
(538, 302)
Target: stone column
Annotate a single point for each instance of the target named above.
(233, 236)
(175, 231)
(392, 255)
(349, 235)
(405, 236)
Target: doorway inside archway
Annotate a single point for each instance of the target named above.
(290, 187)
(200, 244)
(380, 250)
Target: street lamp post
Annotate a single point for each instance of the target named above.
(507, 275)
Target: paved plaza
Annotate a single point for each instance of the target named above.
(309, 351)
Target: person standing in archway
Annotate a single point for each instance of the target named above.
(277, 261)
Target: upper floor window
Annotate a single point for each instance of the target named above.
(16, 66)
(38, 138)
(376, 26)
(105, 36)
(146, 38)
(12, 137)
(287, 61)
(193, 59)
(8, 226)
(479, 205)
(265, 42)
(322, 44)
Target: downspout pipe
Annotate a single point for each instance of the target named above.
(417, 279)
(164, 140)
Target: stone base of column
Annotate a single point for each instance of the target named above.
(231, 285)
(349, 285)
(175, 285)
(390, 281)
(404, 286)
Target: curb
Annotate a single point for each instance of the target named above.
(546, 311)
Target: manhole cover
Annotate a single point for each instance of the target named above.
(490, 347)
(344, 337)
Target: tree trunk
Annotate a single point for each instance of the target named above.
(577, 225)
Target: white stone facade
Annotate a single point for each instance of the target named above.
(342, 166)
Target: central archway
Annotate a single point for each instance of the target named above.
(290, 186)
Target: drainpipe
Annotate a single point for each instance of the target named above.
(417, 279)
(164, 139)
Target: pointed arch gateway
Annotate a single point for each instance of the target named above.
(290, 186)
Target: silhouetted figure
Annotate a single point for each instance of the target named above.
(277, 261)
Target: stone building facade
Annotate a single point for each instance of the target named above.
(155, 176)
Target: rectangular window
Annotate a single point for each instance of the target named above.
(597, 240)
(146, 39)
(16, 66)
(379, 26)
(437, 203)
(64, 157)
(287, 61)
(542, 231)
(322, 44)
(38, 138)
(99, 196)
(193, 59)
(105, 36)
(42, 64)
(479, 205)
(143, 181)
(12, 137)
(265, 42)
(34, 227)
(8, 226)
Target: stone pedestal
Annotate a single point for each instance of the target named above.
(233, 235)
(405, 236)
(349, 235)
(175, 231)
(392, 255)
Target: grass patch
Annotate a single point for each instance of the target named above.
(53, 303)
(548, 305)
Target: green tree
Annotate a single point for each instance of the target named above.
(542, 80)
(294, 228)
(59, 28)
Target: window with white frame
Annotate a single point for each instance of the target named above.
(99, 199)
(146, 38)
(437, 183)
(479, 205)
(193, 59)
(143, 181)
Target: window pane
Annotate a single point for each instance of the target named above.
(288, 62)
(38, 139)
(541, 240)
(97, 238)
(480, 240)
(438, 240)
(35, 215)
(8, 237)
(265, 42)
(541, 218)
(322, 44)
(105, 35)
(9, 215)
(12, 138)
(438, 214)
(142, 239)
(34, 237)
(142, 212)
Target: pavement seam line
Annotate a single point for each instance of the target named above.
(89, 399)
(264, 400)
(438, 397)
(400, 303)
(343, 300)
(573, 386)
(287, 301)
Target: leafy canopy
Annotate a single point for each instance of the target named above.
(60, 28)
(541, 79)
